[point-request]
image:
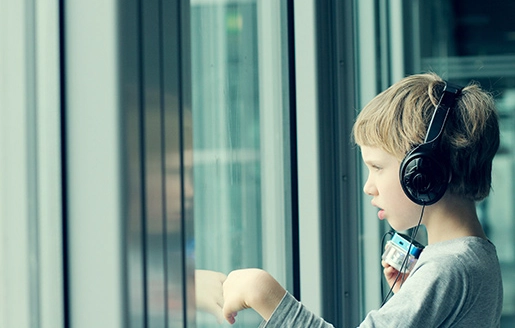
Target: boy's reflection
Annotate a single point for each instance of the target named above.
(160, 205)
(208, 284)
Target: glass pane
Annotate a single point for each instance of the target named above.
(241, 142)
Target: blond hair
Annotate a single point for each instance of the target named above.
(397, 119)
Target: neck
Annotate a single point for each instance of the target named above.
(452, 217)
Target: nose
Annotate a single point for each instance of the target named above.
(369, 188)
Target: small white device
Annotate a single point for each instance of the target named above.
(400, 247)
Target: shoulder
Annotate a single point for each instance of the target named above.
(462, 274)
(465, 271)
(452, 284)
(468, 255)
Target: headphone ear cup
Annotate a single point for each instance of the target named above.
(423, 177)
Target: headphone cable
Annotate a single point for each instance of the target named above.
(405, 260)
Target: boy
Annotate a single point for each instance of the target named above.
(456, 281)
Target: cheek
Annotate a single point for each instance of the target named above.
(393, 186)
(397, 197)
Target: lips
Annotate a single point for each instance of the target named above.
(380, 212)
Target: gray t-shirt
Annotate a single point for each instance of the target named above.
(456, 283)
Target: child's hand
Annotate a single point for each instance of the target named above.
(251, 288)
(209, 292)
(390, 273)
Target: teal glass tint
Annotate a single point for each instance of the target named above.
(241, 145)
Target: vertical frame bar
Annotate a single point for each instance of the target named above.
(96, 254)
(185, 94)
(346, 175)
(338, 162)
(177, 167)
(30, 213)
(333, 214)
(131, 99)
(292, 82)
(49, 169)
(173, 162)
(307, 155)
(16, 107)
(152, 119)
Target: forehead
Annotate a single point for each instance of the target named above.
(376, 155)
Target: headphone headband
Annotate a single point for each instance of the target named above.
(447, 100)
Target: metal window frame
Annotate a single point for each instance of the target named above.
(113, 65)
(31, 280)
(329, 222)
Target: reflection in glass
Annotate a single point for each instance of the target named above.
(241, 144)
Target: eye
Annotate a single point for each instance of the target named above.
(376, 168)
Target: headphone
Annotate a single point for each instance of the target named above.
(423, 173)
